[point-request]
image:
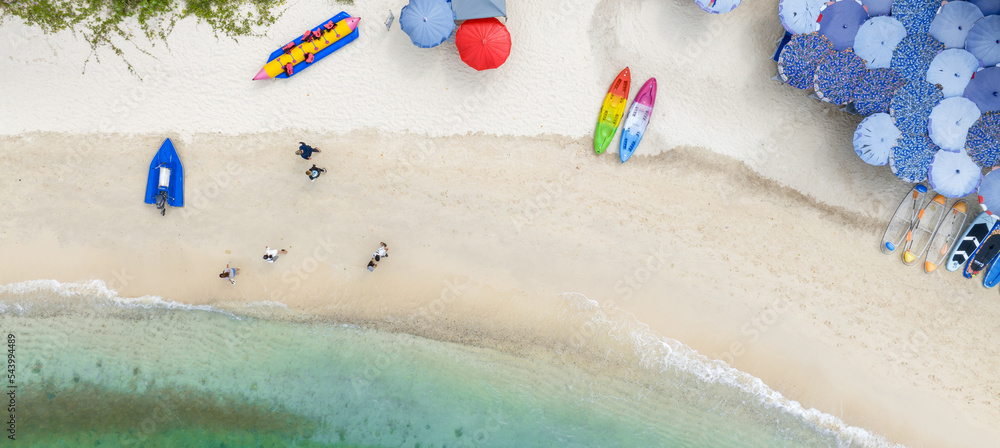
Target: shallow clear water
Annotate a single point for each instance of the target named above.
(110, 373)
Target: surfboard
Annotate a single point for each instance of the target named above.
(945, 236)
(900, 223)
(985, 254)
(969, 241)
(919, 237)
(992, 275)
(612, 111)
(637, 119)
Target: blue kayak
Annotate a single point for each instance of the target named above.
(166, 175)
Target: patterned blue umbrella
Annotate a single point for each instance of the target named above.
(984, 89)
(949, 122)
(877, 39)
(799, 16)
(984, 40)
(953, 22)
(798, 60)
(988, 7)
(878, 7)
(983, 140)
(840, 21)
(952, 69)
(717, 6)
(953, 174)
(914, 54)
(875, 90)
(911, 157)
(837, 75)
(916, 15)
(911, 106)
(874, 139)
(427, 22)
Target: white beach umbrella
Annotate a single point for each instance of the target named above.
(875, 137)
(952, 69)
(950, 121)
(799, 16)
(876, 40)
(953, 21)
(954, 174)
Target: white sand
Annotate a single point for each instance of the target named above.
(757, 197)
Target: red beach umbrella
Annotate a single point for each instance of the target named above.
(483, 43)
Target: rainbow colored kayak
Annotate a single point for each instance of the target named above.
(638, 119)
(344, 30)
(612, 111)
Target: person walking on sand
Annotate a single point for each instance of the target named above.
(230, 274)
(272, 254)
(314, 172)
(381, 252)
(372, 265)
(306, 151)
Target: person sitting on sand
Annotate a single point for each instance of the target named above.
(230, 273)
(314, 172)
(306, 151)
(381, 252)
(372, 265)
(272, 254)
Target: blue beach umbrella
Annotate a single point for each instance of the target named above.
(911, 106)
(798, 60)
(988, 7)
(983, 140)
(953, 22)
(717, 6)
(799, 16)
(427, 22)
(878, 7)
(874, 138)
(984, 89)
(949, 122)
(952, 69)
(877, 39)
(837, 75)
(914, 54)
(984, 40)
(840, 21)
(875, 90)
(911, 157)
(954, 174)
(915, 15)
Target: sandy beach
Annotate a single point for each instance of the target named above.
(745, 227)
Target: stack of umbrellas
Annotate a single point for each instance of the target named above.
(928, 81)
(483, 42)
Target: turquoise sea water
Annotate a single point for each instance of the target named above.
(93, 369)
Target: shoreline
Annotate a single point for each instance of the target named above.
(444, 224)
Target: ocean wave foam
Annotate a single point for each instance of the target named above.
(662, 353)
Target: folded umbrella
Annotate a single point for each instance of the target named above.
(983, 140)
(953, 174)
(799, 16)
(952, 69)
(874, 139)
(798, 60)
(427, 22)
(876, 40)
(914, 54)
(953, 22)
(949, 122)
(984, 89)
(840, 21)
(837, 75)
(984, 40)
(875, 90)
(911, 156)
(911, 107)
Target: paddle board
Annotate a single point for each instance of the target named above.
(905, 214)
(945, 236)
(612, 111)
(984, 254)
(637, 119)
(920, 236)
(969, 241)
(992, 275)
